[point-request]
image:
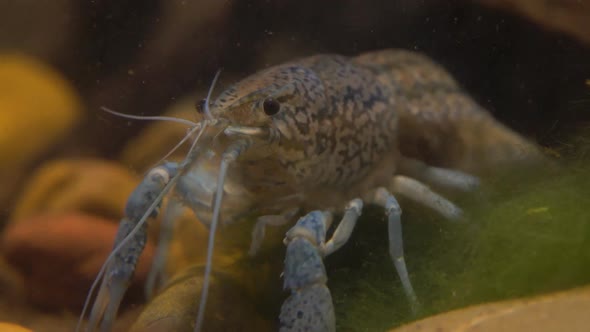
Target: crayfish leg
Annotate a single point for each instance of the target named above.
(309, 309)
(116, 291)
(117, 277)
(107, 304)
(157, 274)
(99, 307)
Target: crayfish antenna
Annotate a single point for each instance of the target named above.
(230, 155)
(208, 99)
(179, 144)
(150, 118)
(194, 127)
(157, 274)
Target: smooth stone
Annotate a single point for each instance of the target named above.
(93, 186)
(8, 327)
(34, 122)
(12, 285)
(39, 109)
(567, 16)
(60, 255)
(561, 311)
(229, 307)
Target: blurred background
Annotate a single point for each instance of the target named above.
(66, 167)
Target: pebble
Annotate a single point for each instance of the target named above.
(559, 311)
(92, 186)
(9, 327)
(175, 309)
(59, 256)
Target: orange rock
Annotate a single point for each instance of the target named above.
(93, 186)
(560, 311)
(8, 327)
(60, 255)
(40, 108)
(569, 16)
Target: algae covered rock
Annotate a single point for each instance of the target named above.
(229, 308)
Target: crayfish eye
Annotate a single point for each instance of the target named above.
(200, 105)
(271, 106)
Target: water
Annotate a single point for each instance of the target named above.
(67, 168)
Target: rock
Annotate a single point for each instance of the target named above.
(39, 319)
(245, 297)
(59, 256)
(567, 16)
(54, 108)
(188, 243)
(86, 185)
(39, 109)
(55, 25)
(562, 311)
(229, 308)
(8, 327)
(11, 282)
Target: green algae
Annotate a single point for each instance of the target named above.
(524, 233)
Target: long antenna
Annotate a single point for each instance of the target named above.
(149, 118)
(206, 108)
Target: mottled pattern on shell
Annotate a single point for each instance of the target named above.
(308, 310)
(335, 121)
(303, 265)
(344, 122)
